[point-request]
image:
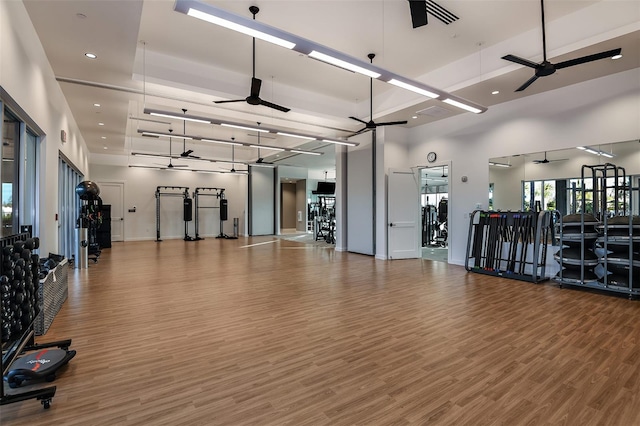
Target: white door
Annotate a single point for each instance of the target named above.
(403, 213)
(112, 193)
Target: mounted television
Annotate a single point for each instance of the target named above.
(325, 188)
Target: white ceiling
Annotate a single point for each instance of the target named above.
(150, 55)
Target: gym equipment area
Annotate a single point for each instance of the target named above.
(599, 246)
(222, 206)
(434, 224)
(509, 244)
(21, 293)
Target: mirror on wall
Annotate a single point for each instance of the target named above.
(535, 180)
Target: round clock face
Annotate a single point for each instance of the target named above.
(431, 157)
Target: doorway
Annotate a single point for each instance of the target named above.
(112, 194)
(434, 199)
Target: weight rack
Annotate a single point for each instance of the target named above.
(509, 244)
(171, 191)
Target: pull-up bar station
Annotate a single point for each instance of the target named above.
(218, 193)
(175, 191)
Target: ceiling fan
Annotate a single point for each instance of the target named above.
(545, 161)
(371, 125)
(185, 152)
(256, 83)
(171, 165)
(545, 67)
(233, 162)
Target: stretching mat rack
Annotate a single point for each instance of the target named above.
(509, 244)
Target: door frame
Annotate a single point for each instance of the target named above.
(123, 183)
(448, 164)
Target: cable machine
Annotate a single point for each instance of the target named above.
(175, 191)
(223, 206)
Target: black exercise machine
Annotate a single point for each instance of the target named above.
(175, 191)
(223, 206)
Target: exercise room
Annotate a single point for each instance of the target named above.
(320, 213)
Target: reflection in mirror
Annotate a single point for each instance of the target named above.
(550, 180)
(434, 194)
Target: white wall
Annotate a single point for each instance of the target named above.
(603, 110)
(25, 74)
(139, 191)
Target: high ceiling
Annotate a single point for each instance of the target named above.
(151, 56)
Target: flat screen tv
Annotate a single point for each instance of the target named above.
(326, 188)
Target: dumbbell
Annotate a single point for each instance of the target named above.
(18, 246)
(26, 254)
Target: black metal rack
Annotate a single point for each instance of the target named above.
(174, 191)
(23, 340)
(509, 244)
(600, 245)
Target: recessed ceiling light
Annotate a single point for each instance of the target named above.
(104, 137)
(91, 55)
(96, 105)
(104, 147)
(495, 92)
(415, 116)
(100, 124)
(616, 56)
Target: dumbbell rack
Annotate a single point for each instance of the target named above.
(24, 340)
(509, 244)
(608, 246)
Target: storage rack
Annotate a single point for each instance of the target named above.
(599, 247)
(24, 339)
(509, 244)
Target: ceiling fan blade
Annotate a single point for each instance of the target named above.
(527, 83)
(364, 129)
(392, 123)
(520, 61)
(274, 106)
(357, 119)
(226, 102)
(588, 58)
(256, 83)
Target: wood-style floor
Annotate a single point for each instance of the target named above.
(214, 333)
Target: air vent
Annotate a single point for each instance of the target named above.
(434, 111)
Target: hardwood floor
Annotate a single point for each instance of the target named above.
(217, 333)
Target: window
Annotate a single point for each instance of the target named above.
(68, 206)
(10, 163)
(539, 195)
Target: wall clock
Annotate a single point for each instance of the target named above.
(431, 157)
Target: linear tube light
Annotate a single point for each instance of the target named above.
(595, 151)
(306, 47)
(491, 163)
(413, 88)
(340, 142)
(266, 147)
(236, 126)
(296, 136)
(342, 64)
(184, 117)
(305, 152)
(166, 135)
(217, 20)
(221, 142)
(462, 106)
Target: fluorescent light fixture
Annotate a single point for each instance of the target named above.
(296, 136)
(305, 152)
(342, 64)
(220, 141)
(217, 20)
(100, 124)
(462, 106)
(491, 163)
(166, 135)
(267, 147)
(595, 151)
(140, 154)
(96, 105)
(235, 126)
(340, 142)
(91, 55)
(413, 88)
(179, 117)
(495, 92)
